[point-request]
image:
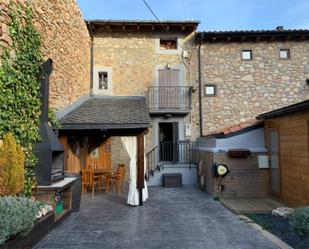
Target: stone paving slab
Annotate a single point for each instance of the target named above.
(173, 218)
(250, 205)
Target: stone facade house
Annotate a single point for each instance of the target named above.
(244, 73)
(191, 84)
(162, 80)
(136, 63)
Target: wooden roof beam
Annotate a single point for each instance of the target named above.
(302, 38)
(272, 38)
(286, 38)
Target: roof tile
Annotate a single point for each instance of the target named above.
(109, 113)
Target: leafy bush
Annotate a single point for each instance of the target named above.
(17, 215)
(12, 161)
(299, 220)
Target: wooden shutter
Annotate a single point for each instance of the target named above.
(169, 82)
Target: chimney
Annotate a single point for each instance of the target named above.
(49, 151)
(279, 28)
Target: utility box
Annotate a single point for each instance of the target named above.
(188, 130)
(172, 180)
(263, 161)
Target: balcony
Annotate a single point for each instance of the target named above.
(173, 100)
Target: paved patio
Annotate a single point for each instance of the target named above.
(172, 218)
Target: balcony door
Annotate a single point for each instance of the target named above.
(169, 91)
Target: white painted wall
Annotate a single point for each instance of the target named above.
(189, 175)
(252, 140)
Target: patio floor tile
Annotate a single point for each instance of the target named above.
(172, 218)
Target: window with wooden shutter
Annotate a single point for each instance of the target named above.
(169, 77)
(169, 91)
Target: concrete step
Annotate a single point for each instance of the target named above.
(189, 174)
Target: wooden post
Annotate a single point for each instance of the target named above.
(140, 166)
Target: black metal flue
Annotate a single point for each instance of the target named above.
(50, 152)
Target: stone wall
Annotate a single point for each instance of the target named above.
(65, 39)
(119, 155)
(248, 88)
(132, 58)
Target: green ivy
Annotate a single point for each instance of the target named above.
(20, 87)
(53, 120)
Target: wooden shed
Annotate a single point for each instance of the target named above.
(242, 149)
(287, 138)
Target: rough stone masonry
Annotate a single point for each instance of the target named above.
(65, 39)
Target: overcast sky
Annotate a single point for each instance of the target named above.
(213, 14)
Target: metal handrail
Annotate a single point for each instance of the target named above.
(180, 152)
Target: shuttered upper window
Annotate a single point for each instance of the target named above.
(169, 77)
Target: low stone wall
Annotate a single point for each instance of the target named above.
(65, 39)
(248, 179)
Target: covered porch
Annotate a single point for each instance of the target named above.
(88, 134)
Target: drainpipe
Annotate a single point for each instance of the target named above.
(186, 54)
(186, 64)
(91, 56)
(200, 86)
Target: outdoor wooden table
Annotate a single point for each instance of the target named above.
(104, 172)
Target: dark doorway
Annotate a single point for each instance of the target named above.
(168, 138)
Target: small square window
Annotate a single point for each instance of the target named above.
(284, 53)
(246, 55)
(103, 80)
(168, 44)
(210, 90)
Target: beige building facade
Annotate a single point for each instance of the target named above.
(132, 58)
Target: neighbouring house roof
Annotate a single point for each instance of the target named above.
(253, 35)
(301, 106)
(141, 25)
(237, 129)
(108, 113)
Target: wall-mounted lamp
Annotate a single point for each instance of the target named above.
(168, 66)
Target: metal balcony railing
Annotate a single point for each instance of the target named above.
(169, 99)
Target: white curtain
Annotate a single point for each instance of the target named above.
(130, 144)
(145, 189)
